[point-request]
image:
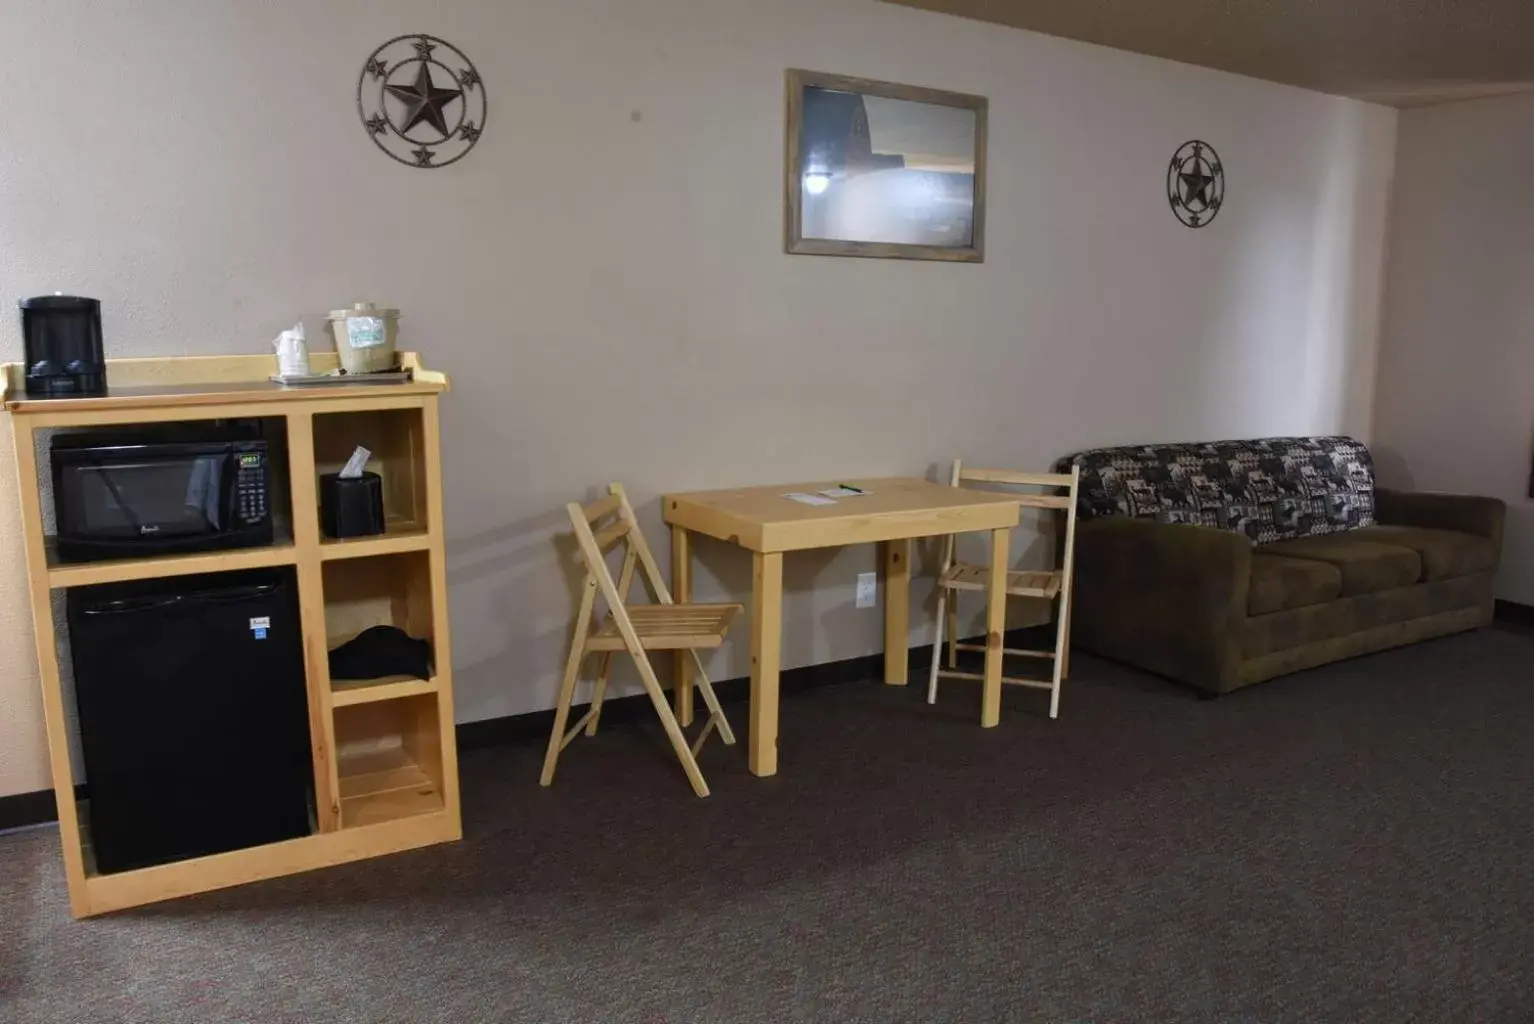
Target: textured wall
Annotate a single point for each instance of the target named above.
(1456, 373)
(604, 275)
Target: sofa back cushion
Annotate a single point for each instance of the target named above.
(1274, 489)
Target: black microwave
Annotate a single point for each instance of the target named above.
(134, 495)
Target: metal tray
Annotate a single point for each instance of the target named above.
(331, 380)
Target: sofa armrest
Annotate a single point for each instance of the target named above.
(1166, 598)
(1482, 517)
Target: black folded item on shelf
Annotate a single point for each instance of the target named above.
(381, 651)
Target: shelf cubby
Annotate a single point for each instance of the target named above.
(389, 760)
(379, 590)
(396, 438)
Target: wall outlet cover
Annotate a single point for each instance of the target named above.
(868, 589)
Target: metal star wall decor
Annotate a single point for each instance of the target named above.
(421, 101)
(1195, 184)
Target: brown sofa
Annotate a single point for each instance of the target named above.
(1226, 564)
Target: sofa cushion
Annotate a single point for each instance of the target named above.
(1270, 490)
(1367, 567)
(1279, 584)
(1446, 554)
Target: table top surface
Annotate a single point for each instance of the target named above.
(769, 504)
(763, 518)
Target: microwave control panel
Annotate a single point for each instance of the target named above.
(250, 486)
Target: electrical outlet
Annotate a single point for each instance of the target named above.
(868, 589)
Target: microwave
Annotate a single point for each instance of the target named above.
(128, 496)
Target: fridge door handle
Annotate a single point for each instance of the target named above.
(232, 595)
(132, 604)
(228, 595)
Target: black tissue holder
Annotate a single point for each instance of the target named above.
(351, 506)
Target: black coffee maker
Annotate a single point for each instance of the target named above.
(62, 338)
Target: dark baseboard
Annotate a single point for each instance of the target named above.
(25, 809)
(1515, 613)
(535, 726)
(37, 808)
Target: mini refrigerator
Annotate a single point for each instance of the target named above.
(193, 715)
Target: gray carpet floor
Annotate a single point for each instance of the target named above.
(1351, 844)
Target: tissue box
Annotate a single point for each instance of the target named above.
(351, 507)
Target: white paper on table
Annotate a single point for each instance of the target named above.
(810, 499)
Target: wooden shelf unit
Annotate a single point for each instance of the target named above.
(384, 757)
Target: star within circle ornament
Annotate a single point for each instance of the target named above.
(1195, 184)
(421, 101)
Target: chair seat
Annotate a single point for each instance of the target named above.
(1020, 583)
(669, 627)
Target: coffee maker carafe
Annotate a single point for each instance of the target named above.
(62, 338)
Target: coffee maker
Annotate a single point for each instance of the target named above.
(62, 339)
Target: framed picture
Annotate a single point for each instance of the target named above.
(878, 169)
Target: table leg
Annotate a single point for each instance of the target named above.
(995, 628)
(897, 611)
(681, 591)
(766, 655)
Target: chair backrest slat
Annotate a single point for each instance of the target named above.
(596, 566)
(1070, 483)
(595, 544)
(640, 547)
(601, 508)
(612, 533)
(1007, 476)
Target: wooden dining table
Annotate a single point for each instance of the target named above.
(773, 521)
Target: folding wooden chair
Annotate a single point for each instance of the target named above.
(664, 625)
(1053, 585)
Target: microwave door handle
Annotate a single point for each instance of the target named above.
(229, 493)
(117, 496)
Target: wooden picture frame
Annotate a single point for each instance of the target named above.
(953, 189)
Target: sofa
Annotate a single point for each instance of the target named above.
(1225, 564)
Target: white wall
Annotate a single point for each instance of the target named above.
(1456, 375)
(604, 277)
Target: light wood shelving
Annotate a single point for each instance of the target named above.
(388, 757)
(86, 574)
(399, 536)
(345, 693)
(384, 756)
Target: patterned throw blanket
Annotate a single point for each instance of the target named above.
(1273, 489)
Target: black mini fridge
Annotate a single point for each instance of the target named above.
(193, 715)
